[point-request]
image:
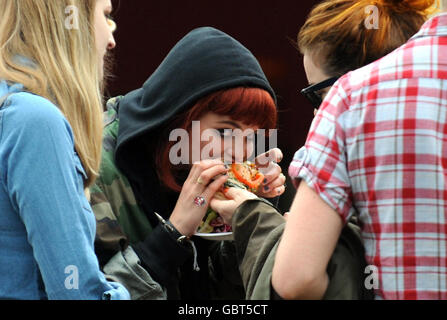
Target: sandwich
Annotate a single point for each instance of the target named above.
(241, 175)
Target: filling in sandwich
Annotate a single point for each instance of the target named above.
(241, 175)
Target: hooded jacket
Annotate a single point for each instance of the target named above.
(128, 191)
(204, 61)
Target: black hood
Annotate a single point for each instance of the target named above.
(205, 61)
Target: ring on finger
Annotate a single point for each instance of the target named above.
(200, 201)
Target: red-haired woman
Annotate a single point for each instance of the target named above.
(162, 165)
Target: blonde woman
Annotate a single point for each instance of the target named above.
(51, 60)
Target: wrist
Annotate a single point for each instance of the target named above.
(178, 235)
(182, 226)
(179, 238)
(175, 233)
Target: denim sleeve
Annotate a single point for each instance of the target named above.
(44, 180)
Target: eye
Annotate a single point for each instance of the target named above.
(225, 133)
(110, 21)
(112, 25)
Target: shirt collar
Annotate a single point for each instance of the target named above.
(436, 26)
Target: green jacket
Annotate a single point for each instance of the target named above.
(258, 228)
(112, 198)
(119, 220)
(121, 223)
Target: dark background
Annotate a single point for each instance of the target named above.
(147, 30)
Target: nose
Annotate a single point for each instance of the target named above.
(112, 25)
(112, 44)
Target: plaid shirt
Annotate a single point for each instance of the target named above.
(378, 149)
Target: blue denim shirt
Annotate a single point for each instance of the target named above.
(47, 228)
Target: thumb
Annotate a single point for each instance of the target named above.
(231, 193)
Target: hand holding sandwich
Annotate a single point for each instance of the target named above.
(273, 185)
(226, 207)
(196, 193)
(274, 182)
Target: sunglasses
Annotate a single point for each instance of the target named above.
(311, 93)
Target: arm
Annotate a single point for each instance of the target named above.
(311, 233)
(44, 179)
(257, 228)
(161, 252)
(147, 266)
(322, 205)
(247, 261)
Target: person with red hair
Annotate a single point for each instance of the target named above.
(164, 146)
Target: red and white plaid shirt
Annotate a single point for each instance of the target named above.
(378, 147)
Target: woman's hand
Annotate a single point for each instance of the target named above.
(204, 180)
(274, 182)
(227, 207)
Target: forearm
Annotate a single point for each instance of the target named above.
(299, 288)
(309, 240)
(257, 228)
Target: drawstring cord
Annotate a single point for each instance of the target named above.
(194, 250)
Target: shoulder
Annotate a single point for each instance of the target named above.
(29, 112)
(111, 113)
(382, 70)
(31, 106)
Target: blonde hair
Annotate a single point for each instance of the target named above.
(64, 65)
(335, 31)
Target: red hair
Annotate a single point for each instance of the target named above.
(336, 34)
(251, 106)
